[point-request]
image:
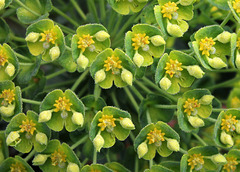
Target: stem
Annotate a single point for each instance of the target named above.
(149, 120)
(225, 70)
(28, 87)
(59, 84)
(22, 57)
(143, 87)
(102, 10)
(211, 119)
(26, 8)
(137, 93)
(82, 140)
(132, 136)
(166, 106)
(31, 101)
(82, 91)
(84, 162)
(218, 109)
(111, 20)
(79, 80)
(93, 9)
(136, 164)
(226, 19)
(183, 151)
(114, 99)
(79, 10)
(30, 155)
(39, 4)
(117, 25)
(224, 84)
(130, 96)
(97, 91)
(68, 48)
(199, 139)
(56, 74)
(150, 163)
(65, 28)
(19, 39)
(107, 156)
(94, 156)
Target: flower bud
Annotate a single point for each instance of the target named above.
(238, 127)
(54, 53)
(72, 167)
(219, 159)
(173, 145)
(157, 40)
(226, 138)
(32, 37)
(216, 63)
(99, 76)
(224, 37)
(195, 71)
(77, 118)
(10, 69)
(196, 122)
(138, 59)
(174, 30)
(41, 138)
(82, 61)
(13, 138)
(98, 142)
(45, 116)
(7, 111)
(127, 123)
(39, 159)
(206, 99)
(102, 35)
(186, 2)
(165, 83)
(237, 60)
(142, 149)
(2, 4)
(127, 76)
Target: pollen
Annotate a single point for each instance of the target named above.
(228, 123)
(206, 45)
(196, 160)
(238, 43)
(113, 63)
(155, 136)
(236, 5)
(28, 126)
(8, 97)
(85, 41)
(58, 157)
(173, 67)
(62, 104)
(17, 167)
(3, 58)
(107, 121)
(169, 9)
(49, 36)
(140, 40)
(190, 105)
(235, 102)
(231, 164)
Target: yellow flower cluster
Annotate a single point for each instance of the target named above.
(173, 67)
(85, 41)
(190, 105)
(62, 104)
(155, 136)
(169, 9)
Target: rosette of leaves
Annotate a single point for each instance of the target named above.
(5, 4)
(46, 39)
(205, 158)
(227, 128)
(175, 70)
(15, 164)
(24, 131)
(232, 157)
(31, 11)
(109, 123)
(158, 137)
(8, 63)
(211, 46)
(143, 42)
(90, 40)
(3, 147)
(96, 167)
(112, 65)
(10, 100)
(60, 109)
(57, 157)
(193, 107)
(171, 16)
(4, 31)
(235, 9)
(233, 100)
(156, 168)
(124, 7)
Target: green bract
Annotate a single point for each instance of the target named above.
(57, 157)
(183, 73)
(24, 131)
(158, 137)
(95, 167)
(116, 167)
(126, 6)
(234, 7)
(107, 124)
(157, 168)
(235, 50)
(90, 40)
(171, 16)
(5, 4)
(143, 42)
(112, 66)
(60, 109)
(233, 100)
(222, 4)
(46, 39)
(10, 100)
(193, 107)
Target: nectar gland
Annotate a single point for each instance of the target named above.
(8, 97)
(62, 104)
(155, 136)
(113, 63)
(140, 40)
(17, 167)
(58, 158)
(231, 164)
(48, 36)
(236, 5)
(107, 121)
(28, 126)
(206, 45)
(173, 67)
(228, 123)
(85, 41)
(3, 58)
(196, 161)
(169, 9)
(235, 102)
(190, 105)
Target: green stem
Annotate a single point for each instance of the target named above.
(26, 8)
(28, 87)
(65, 29)
(183, 151)
(149, 120)
(218, 109)
(116, 27)
(39, 4)
(114, 99)
(31, 101)
(132, 136)
(94, 156)
(79, 142)
(108, 157)
(79, 80)
(226, 19)
(83, 90)
(224, 84)
(97, 91)
(136, 164)
(143, 87)
(211, 119)
(111, 22)
(68, 48)
(137, 93)
(56, 74)
(130, 96)
(225, 70)
(22, 57)
(199, 139)
(57, 85)
(150, 163)
(92, 8)
(30, 155)
(166, 106)
(79, 10)
(18, 39)
(84, 162)
(102, 10)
